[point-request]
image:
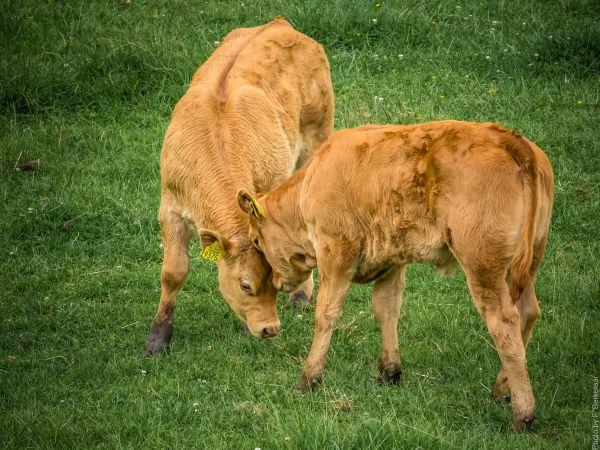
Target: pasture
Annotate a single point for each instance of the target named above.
(87, 88)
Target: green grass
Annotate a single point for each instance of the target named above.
(87, 88)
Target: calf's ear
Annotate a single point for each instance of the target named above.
(208, 238)
(303, 262)
(250, 205)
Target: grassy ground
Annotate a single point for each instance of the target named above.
(87, 88)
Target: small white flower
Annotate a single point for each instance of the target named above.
(195, 404)
(536, 55)
(143, 372)
(374, 20)
(401, 56)
(487, 57)
(217, 43)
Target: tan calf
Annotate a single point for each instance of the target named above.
(377, 198)
(258, 107)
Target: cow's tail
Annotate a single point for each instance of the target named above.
(521, 270)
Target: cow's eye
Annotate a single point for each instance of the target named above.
(245, 286)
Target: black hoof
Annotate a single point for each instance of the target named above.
(244, 327)
(307, 384)
(297, 299)
(390, 372)
(526, 423)
(159, 338)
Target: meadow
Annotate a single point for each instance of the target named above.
(87, 88)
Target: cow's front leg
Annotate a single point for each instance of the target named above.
(303, 294)
(387, 300)
(176, 237)
(330, 301)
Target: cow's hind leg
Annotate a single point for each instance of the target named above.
(176, 237)
(492, 298)
(387, 300)
(529, 311)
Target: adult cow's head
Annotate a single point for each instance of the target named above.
(280, 243)
(245, 280)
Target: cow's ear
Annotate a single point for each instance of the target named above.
(220, 245)
(250, 205)
(303, 262)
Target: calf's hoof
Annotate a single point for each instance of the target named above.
(389, 372)
(297, 299)
(159, 338)
(523, 423)
(306, 384)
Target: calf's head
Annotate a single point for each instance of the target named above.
(280, 244)
(246, 282)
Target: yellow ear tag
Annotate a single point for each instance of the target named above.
(257, 210)
(211, 252)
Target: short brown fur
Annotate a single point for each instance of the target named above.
(258, 107)
(443, 193)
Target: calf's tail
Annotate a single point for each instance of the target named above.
(521, 269)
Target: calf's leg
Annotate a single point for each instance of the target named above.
(495, 305)
(330, 301)
(529, 311)
(387, 300)
(176, 237)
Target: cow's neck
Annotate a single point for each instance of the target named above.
(285, 200)
(220, 212)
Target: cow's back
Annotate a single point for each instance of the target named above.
(392, 190)
(243, 119)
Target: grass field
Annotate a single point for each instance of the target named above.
(88, 87)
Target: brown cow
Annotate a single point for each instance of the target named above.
(377, 198)
(257, 108)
